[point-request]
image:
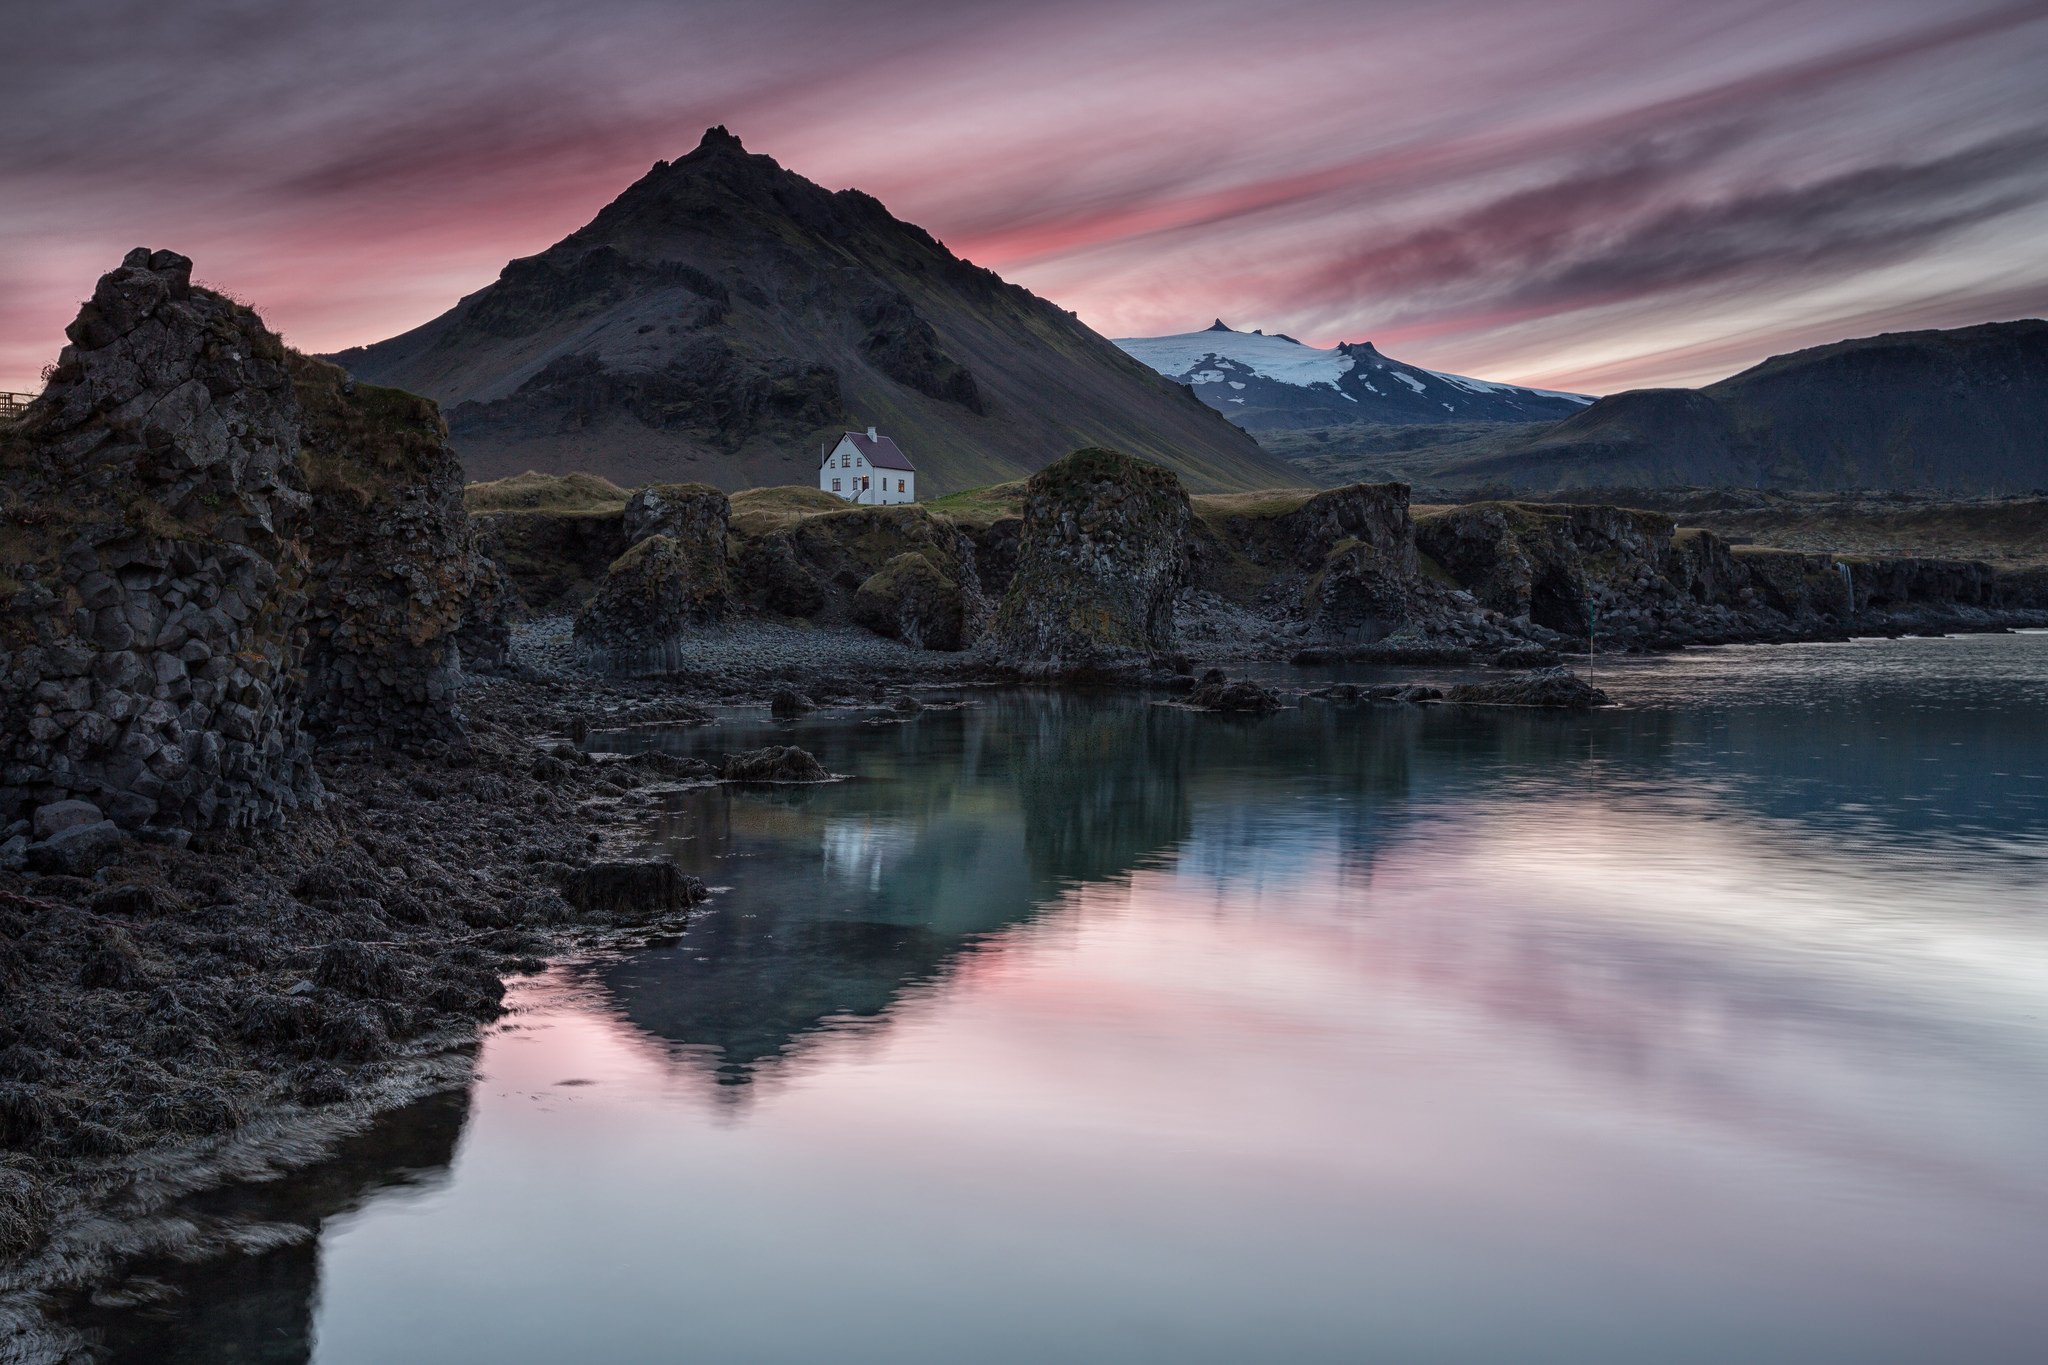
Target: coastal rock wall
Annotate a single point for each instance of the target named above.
(1103, 553)
(156, 567)
(817, 568)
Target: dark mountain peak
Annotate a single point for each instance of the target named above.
(724, 311)
(1219, 326)
(1282, 336)
(1361, 350)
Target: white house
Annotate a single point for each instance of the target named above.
(867, 468)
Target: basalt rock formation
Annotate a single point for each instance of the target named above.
(157, 560)
(1104, 552)
(211, 548)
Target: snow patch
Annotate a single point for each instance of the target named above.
(1288, 362)
(1209, 357)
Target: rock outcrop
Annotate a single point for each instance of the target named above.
(209, 549)
(1104, 551)
(672, 578)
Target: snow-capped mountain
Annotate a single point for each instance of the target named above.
(1266, 382)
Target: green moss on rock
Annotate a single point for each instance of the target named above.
(1104, 550)
(912, 600)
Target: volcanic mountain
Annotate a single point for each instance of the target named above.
(723, 318)
(1274, 383)
(1964, 411)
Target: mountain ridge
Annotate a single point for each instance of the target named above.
(1962, 410)
(1274, 382)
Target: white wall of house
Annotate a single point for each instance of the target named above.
(847, 473)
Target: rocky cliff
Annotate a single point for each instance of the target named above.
(211, 548)
(396, 580)
(723, 316)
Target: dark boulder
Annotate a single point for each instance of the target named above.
(77, 851)
(1557, 688)
(787, 703)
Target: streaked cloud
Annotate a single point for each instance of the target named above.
(1588, 193)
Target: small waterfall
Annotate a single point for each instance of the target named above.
(1848, 587)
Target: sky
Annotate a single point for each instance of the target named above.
(1581, 194)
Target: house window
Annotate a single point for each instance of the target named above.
(835, 485)
(899, 485)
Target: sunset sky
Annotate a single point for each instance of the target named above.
(1586, 194)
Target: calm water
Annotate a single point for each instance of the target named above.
(1712, 1029)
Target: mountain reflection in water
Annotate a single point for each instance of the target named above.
(1081, 1028)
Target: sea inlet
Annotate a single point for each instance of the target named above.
(1712, 1027)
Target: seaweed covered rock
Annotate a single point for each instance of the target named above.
(1104, 550)
(24, 1212)
(1557, 688)
(397, 581)
(912, 600)
(154, 519)
(774, 763)
(1243, 697)
(630, 889)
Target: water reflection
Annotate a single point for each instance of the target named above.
(966, 823)
(1078, 1028)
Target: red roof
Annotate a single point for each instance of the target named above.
(881, 452)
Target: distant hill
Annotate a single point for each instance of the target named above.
(723, 317)
(1275, 383)
(1963, 412)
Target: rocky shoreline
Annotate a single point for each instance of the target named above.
(295, 767)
